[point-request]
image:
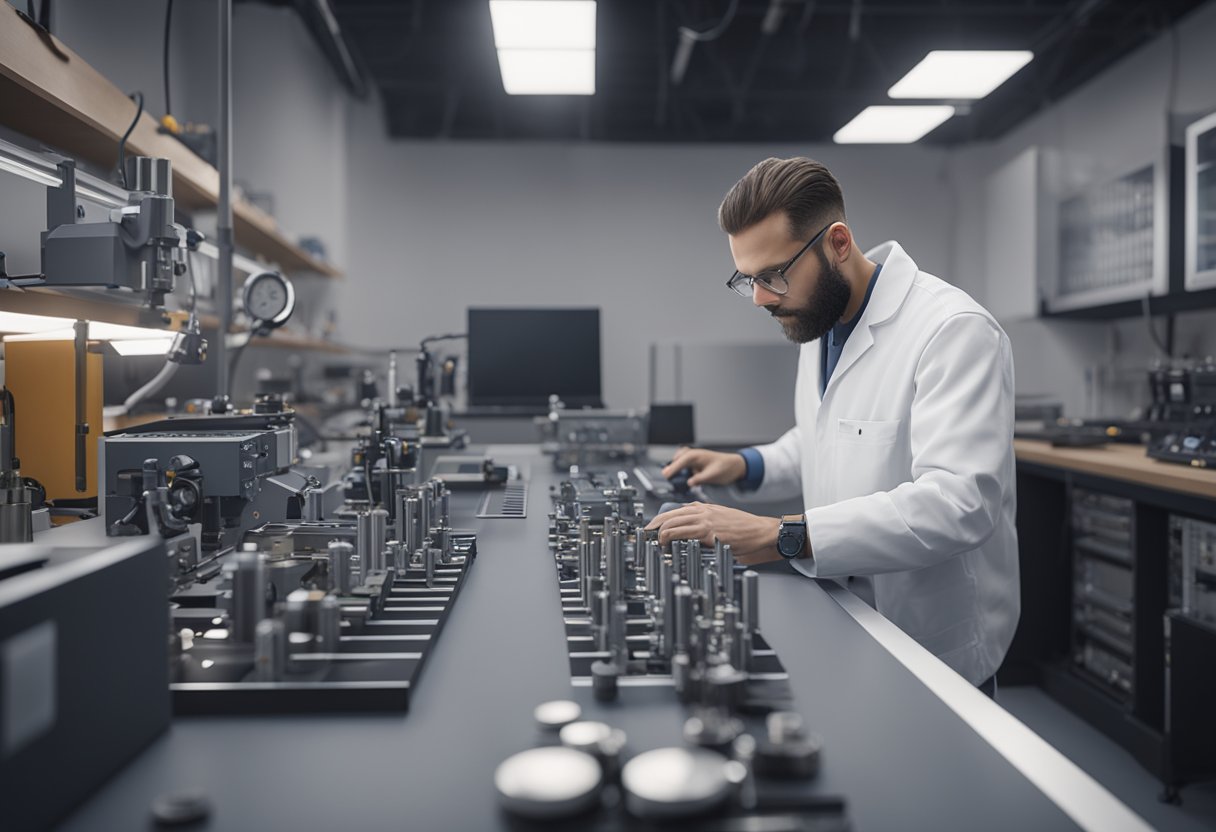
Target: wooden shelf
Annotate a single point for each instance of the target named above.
(54, 96)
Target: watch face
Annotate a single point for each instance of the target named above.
(788, 544)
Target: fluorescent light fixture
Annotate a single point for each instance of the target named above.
(547, 71)
(98, 331)
(545, 47)
(20, 322)
(543, 24)
(960, 74)
(145, 346)
(883, 124)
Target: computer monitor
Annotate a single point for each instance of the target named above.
(519, 357)
(671, 424)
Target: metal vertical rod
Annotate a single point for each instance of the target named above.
(392, 378)
(224, 238)
(81, 353)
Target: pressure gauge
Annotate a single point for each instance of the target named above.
(269, 300)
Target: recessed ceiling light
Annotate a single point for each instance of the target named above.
(545, 47)
(547, 71)
(884, 124)
(957, 74)
(543, 24)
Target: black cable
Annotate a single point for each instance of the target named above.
(452, 336)
(715, 31)
(165, 58)
(44, 16)
(138, 97)
(236, 356)
(193, 281)
(1152, 330)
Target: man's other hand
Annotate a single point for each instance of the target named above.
(708, 467)
(752, 539)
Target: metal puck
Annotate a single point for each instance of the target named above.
(553, 716)
(585, 736)
(548, 783)
(180, 809)
(675, 782)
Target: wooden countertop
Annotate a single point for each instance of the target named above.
(1121, 462)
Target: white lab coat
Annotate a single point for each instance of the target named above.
(906, 465)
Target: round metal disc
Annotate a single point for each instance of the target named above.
(585, 736)
(552, 716)
(675, 782)
(180, 809)
(547, 783)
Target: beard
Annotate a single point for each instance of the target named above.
(829, 299)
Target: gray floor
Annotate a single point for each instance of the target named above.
(1109, 764)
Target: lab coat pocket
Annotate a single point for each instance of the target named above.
(861, 432)
(864, 456)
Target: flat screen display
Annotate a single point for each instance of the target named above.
(519, 357)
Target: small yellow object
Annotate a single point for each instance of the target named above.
(170, 124)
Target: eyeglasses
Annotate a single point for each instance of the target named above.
(774, 280)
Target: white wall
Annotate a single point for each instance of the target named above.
(434, 228)
(1112, 124)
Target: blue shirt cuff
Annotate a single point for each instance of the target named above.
(755, 469)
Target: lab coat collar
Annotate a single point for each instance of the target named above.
(898, 271)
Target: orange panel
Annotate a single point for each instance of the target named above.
(42, 378)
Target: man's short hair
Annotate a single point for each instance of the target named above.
(803, 188)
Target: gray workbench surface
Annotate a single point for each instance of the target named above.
(902, 756)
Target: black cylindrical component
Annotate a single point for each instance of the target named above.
(683, 618)
(603, 680)
(248, 594)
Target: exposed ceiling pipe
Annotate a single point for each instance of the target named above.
(318, 17)
(772, 17)
(691, 37)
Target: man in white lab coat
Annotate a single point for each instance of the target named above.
(902, 446)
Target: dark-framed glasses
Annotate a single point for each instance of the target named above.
(774, 280)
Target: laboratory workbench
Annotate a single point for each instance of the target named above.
(908, 743)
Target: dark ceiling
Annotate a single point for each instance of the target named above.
(435, 66)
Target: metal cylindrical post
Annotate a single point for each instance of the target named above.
(363, 542)
(683, 618)
(411, 536)
(248, 594)
(339, 565)
(751, 601)
(270, 650)
(329, 624)
(379, 529)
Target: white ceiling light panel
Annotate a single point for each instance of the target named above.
(545, 47)
(883, 124)
(960, 74)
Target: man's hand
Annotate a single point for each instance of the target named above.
(708, 467)
(752, 539)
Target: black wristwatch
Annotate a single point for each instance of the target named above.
(791, 536)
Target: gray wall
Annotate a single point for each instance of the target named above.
(435, 228)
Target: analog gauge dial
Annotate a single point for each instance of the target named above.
(269, 298)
